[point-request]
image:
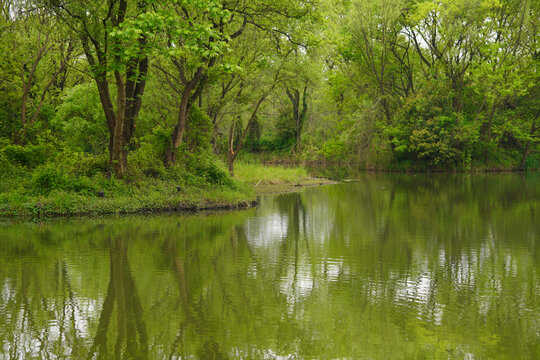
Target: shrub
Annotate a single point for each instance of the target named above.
(80, 164)
(198, 131)
(80, 120)
(427, 131)
(29, 156)
(204, 166)
(147, 159)
(48, 178)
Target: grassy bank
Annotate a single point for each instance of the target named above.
(82, 190)
(276, 179)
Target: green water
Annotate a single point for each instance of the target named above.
(387, 267)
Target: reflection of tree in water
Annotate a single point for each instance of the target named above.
(354, 268)
(34, 324)
(131, 336)
(195, 314)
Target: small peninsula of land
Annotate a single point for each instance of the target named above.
(175, 190)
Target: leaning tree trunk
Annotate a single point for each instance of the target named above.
(191, 92)
(232, 153)
(180, 128)
(121, 123)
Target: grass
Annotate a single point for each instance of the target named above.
(43, 192)
(253, 173)
(275, 179)
(160, 196)
(82, 188)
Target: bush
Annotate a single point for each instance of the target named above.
(80, 164)
(48, 178)
(80, 120)
(205, 167)
(29, 156)
(147, 159)
(198, 131)
(428, 132)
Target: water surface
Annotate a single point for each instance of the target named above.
(389, 266)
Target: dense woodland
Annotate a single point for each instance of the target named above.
(92, 91)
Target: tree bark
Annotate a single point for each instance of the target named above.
(298, 115)
(231, 155)
(118, 161)
(130, 86)
(27, 83)
(301, 120)
(489, 125)
(190, 93)
(528, 144)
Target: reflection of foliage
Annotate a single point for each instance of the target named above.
(410, 265)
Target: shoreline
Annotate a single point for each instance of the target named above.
(266, 189)
(255, 181)
(108, 207)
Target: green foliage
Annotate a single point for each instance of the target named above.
(340, 145)
(253, 137)
(334, 149)
(204, 166)
(532, 162)
(80, 121)
(199, 130)
(9, 123)
(285, 131)
(81, 164)
(280, 139)
(428, 131)
(380, 94)
(48, 178)
(28, 156)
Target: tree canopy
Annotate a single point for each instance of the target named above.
(403, 84)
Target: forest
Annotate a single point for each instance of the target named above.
(122, 105)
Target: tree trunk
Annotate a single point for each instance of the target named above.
(231, 155)
(183, 113)
(301, 120)
(298, 115)
(63, 65)
(489, 124)
(528, 145)
(27, 83)
(118, 160)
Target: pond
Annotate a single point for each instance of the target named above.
(387, 266)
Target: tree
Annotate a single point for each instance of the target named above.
(116, 39)
(37, 53)
(299, 114)
(267, 78)
(196, 37)
(199, 41)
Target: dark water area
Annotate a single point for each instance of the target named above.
(389, 266)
